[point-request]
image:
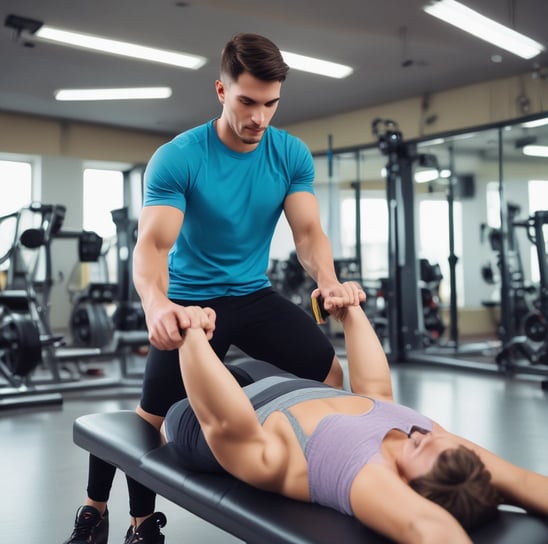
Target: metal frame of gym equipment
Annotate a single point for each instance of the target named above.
(405, 327)
(24, 389)
(404, 321)
(527, 338)
(24, 329)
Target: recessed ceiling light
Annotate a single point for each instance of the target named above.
(535, 123)
(536, 150)
(116, 47)
(34, 30)
(130, 93)
(316, 66)
(471, 21)
(30, 30)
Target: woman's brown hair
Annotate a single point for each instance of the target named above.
(460, 483)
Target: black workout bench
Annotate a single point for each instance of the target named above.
(257, 517)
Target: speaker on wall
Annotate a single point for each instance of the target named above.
(466, 186)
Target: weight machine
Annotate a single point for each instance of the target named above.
(405, 326)
(405, 321)
(26, 338)
(527, 339)
(25, 335)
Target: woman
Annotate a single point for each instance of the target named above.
(359, 452)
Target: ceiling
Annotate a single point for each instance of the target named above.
(397, 51)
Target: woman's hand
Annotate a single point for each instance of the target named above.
(340, 299)
(200, 318)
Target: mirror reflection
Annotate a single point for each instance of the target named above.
(479, 260)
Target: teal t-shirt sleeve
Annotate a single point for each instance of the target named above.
(166, 178)
(303, 177)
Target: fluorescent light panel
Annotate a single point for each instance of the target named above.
(115, 47)
(535, 123)
(425, 176)
(183, 60)
(131, 93)
(536, 150)
(316, 66)
(471, 21)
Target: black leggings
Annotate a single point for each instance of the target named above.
(266, 326)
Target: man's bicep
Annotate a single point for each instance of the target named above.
(302, 211)
(160, 225)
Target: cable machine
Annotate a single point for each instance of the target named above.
(405, 323)
(405, 318)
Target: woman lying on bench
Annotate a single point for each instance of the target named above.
(360, 452)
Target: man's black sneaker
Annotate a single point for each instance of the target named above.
(148, 532)
(89, 527)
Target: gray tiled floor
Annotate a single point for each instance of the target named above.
(43, 475)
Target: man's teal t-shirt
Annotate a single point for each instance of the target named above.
(231, 201)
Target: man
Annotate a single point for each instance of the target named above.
(212, 200)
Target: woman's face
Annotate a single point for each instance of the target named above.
(421, 451)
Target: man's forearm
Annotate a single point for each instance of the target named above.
(150, 275)
(316, 257)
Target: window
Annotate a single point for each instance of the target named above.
(373, 232)
(15, 185)
(493, 204)
(434, 242)
(16, 191)
(103, 192)
(538, 193)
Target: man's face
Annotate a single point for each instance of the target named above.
(248, 107)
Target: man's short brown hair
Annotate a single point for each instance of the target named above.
(255, 55)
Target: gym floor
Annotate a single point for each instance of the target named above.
(43, 474)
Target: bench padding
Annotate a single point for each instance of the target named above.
(130, 443)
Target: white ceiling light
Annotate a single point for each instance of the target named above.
(425, 176)
(316, 66)
(535, 123)
(536, 150)
(471, 21)
(32, 30)
(132, 93)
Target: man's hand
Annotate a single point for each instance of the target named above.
(167, 321)
(340, 295)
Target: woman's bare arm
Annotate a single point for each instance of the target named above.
(227, 417)
(368, 368)
(383, 502)
(518, 486)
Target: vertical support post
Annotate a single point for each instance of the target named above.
(404, 307)
(404, 304)
(411, 322)
(453, 259)
(506, 329)
(358, 213)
